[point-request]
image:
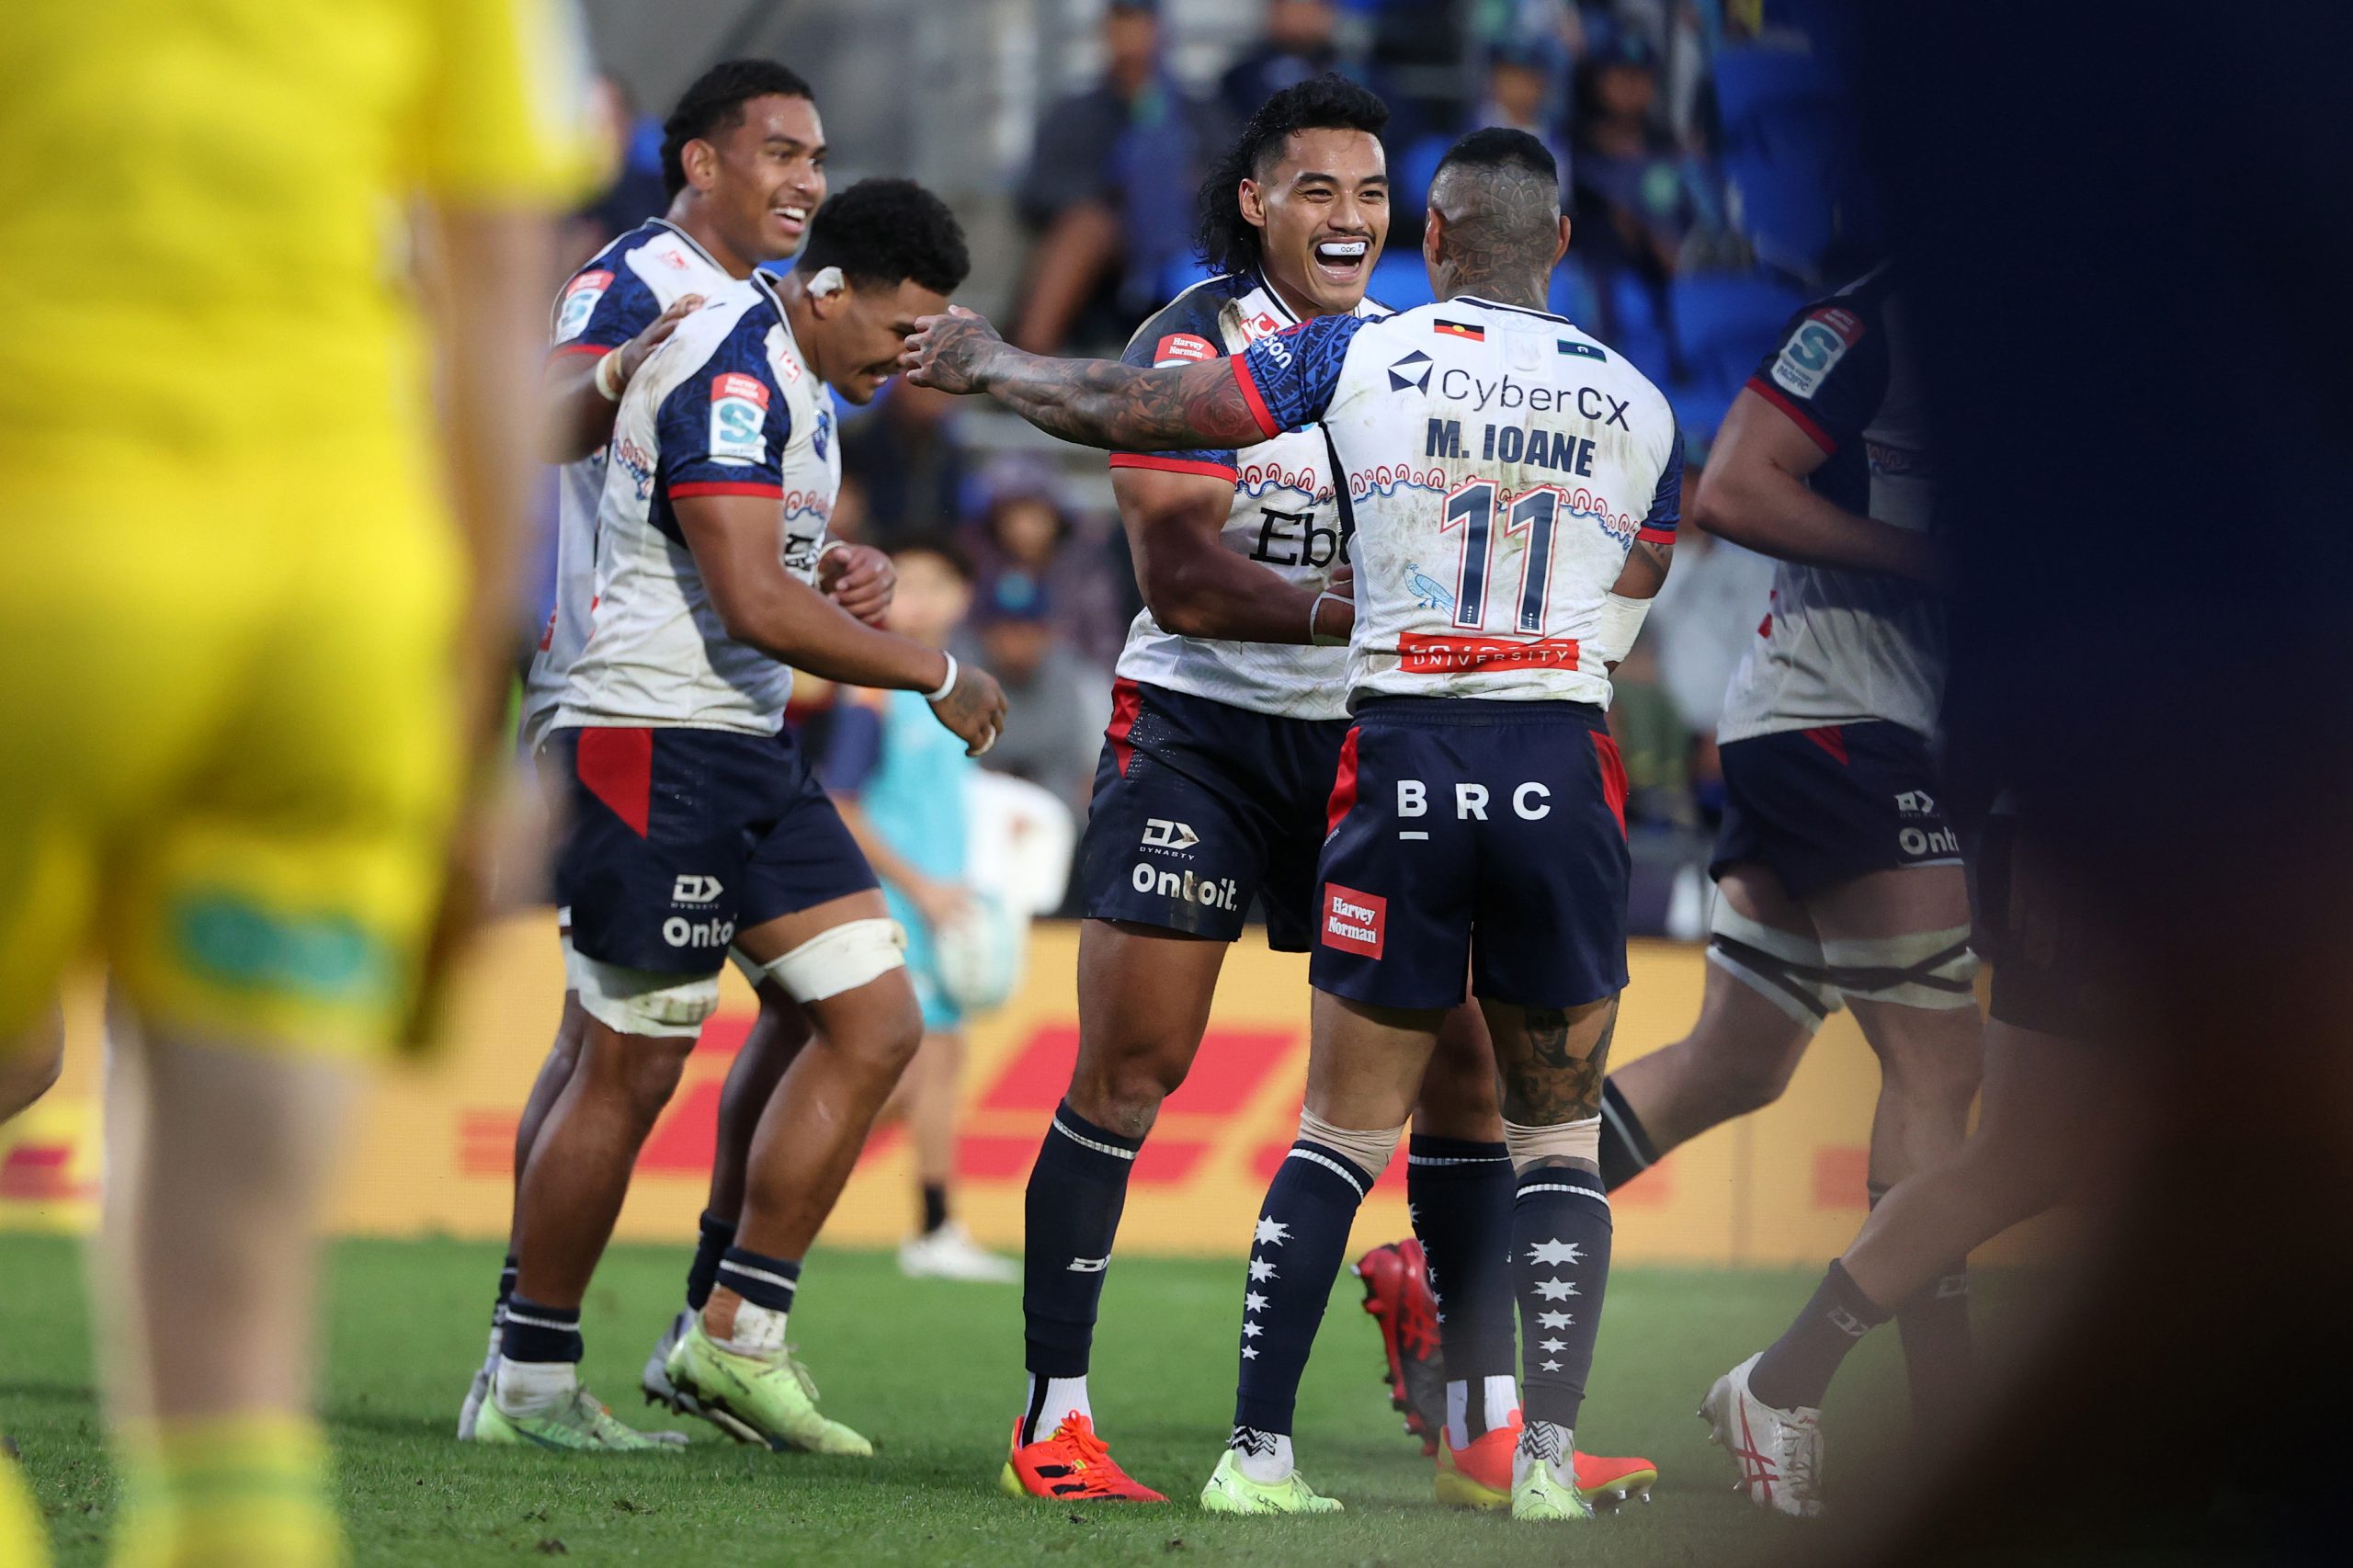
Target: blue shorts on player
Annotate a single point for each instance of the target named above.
(1201, 807)
(680, 838)
(1824, 806)
(1474, 838)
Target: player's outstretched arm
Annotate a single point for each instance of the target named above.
(575, 410)
(1754, 493)
(1095, 402)
(733, 538)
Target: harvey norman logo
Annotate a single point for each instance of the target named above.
(1354, 922)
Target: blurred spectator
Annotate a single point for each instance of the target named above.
(1525, 78)
(1630, 196)
(1058, 702)
(1109, 190)
(1025, 526)
(907, 463)
(1299, 43)
(852, 518)
(629, 173)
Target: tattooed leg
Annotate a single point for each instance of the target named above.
(1552, 1060)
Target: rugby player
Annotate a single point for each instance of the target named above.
(744, 158)
(697, 825)
(1838, 877)
(1227, 727)
(253, 636)
(2054, 1111)
(1476, 823)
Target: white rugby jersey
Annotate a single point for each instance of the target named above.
(1838, 647)
(725, 407)
(608, 301)
(1499, 465)
(1285, 517)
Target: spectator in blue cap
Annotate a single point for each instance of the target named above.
(1065, 702)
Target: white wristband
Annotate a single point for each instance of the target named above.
(608, 378)
(1622, 619)
(1315, 613)
(947, 686)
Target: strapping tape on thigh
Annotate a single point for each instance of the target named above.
(1786, 968)
(643, 1002)
(842, 959)
(1925, 969)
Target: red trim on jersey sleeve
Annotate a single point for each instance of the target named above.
(1344, 786)
(617, 767)
(1656, 536)
(1127, 700)
(726, 487)
(1268, 426)
(1159, 463)
(1613, 775)
(1797, 417)
(560, 349)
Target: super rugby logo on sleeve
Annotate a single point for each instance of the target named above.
(1182, 348)
(579, 302)
(1819, 343)
(739, 412)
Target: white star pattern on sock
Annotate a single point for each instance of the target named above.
(1251, 1330)
(1550, 1290)
(1272, 1232)
(1548, 1367)
(1248, 1354)
(1553, 1344)
(1554, 1320)
(1261, 1271)
(1254, 1303)
(1555, 1251)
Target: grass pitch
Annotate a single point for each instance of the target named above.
(932, 1372)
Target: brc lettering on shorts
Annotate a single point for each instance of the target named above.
(1354, 922)
(739, 406)
(1420, 653)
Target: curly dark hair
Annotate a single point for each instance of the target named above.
(1223, 238)
(715, 101)
(888, 231)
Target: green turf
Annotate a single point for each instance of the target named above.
(931, 1372)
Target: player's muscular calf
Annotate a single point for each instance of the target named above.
(1143, 1004)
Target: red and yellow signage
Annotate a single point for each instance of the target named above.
(435, 1144)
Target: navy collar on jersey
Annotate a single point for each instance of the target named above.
(1266, 287)
(1517, 309)
(688, 241)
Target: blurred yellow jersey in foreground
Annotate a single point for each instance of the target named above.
(226, 742)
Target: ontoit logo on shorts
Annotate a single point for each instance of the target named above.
(1353, 921)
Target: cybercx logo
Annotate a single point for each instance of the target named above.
(1160, 833)
(690, 889)
(1413, 370)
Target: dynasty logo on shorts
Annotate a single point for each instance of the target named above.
(1162, 832)
(739, 408)
(1354, 922)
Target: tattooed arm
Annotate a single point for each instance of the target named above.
(1553, 1059)
(1644, 572)
(1095, 402)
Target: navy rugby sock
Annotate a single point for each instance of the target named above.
(1626, 1151)
(1459, 1192)
(506, 1273)
(1934, 1325)
(1295, 1256)
(539, 1333)
(1795, 1371)
(1560, 1253)
(716, 1236)
(1071, 1211)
